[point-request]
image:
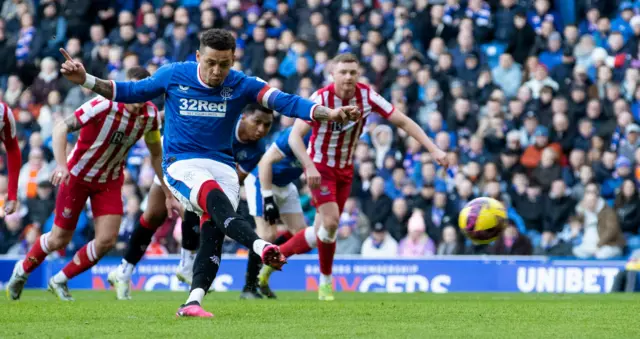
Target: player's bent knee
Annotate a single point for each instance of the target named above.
(59, 238)
(105, 243)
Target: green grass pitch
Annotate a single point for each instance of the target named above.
(151, 315)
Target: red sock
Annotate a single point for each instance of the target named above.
(83, 260)
(296, 245)
(326, 251)
(37, 254)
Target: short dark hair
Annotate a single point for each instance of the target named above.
(137, 73)
(218, 39)
(251, 109)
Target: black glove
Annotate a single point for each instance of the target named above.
(271, 212)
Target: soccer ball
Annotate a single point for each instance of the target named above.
(482, 220)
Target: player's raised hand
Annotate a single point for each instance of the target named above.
(60, 175)
(72, 70)
(313, 177)
(440, 157)
(10, 207)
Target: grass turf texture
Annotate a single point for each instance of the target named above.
(299, 315)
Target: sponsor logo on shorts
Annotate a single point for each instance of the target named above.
(76, 259)
(215, 259)
(32, 260)
(228, 221)
(67, 212)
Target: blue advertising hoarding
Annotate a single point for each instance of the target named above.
(437, 275)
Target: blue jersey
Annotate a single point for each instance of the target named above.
(288, 169)
(247, 154)
(199, 119)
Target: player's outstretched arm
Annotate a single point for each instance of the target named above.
(296, 142)
(296, 106)
(265, 168)
(59, 144)
(400, 120)
(126, 92)
(14, 159)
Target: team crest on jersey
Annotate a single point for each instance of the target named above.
(241, 155)
(324, 190)
(183, 89)
(66, 213)
(225, 93)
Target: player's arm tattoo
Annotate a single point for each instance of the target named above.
(104, 88)
(72, 123)
(321, 113)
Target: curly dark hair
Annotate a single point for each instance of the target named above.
(218, 39)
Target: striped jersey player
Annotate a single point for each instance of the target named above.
(93, 170)
(14, 157)
(203, 100)
(329, 161)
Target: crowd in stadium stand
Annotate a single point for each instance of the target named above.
(536, 101)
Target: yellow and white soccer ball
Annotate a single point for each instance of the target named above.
(482, 220)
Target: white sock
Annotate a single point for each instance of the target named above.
(196, 295)
(20, 269)
(126, 269)
(60, 278)
(310, 237)
(325, 279)
(259, 245)
(187, 257)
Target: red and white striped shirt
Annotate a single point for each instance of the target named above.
(108, 131)
(8, 134)
(332, 143)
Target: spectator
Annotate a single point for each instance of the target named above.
(622, 172)
(32, 173)
(522, 40)
(552, 57)
(511, 242)
(503, 21)
(541, 79)
(533, 154)
(528, 203)
(47, 80)
(379, 244)
(42, 205)
(631, 143)
(416, 243)
(396, 223)
(348, 241)
(508, 75)
(559, 207)
(10, 232)
(548, 170)
(378, 206)
(627, 206)
(438, 214)
(450, 245)
(29, 235)
(602, 235)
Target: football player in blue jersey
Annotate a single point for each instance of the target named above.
(248, 148)
(272, 196)
(203, 100)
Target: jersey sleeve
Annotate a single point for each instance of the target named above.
(380, 105)
(145, 89)
(287, 104)
(92, 109)
(282, 143)
(152, 136)
(14, 157)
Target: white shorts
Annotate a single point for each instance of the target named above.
(287, 197)
(185, 177)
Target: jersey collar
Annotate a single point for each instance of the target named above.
(237, 132)
(200, 78)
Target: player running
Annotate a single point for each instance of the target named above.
(272, 196)
(329, 162)
(93, 170)
(248, 148)
(14, 156)
(203, 100)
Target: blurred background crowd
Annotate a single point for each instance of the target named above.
(536, 101)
